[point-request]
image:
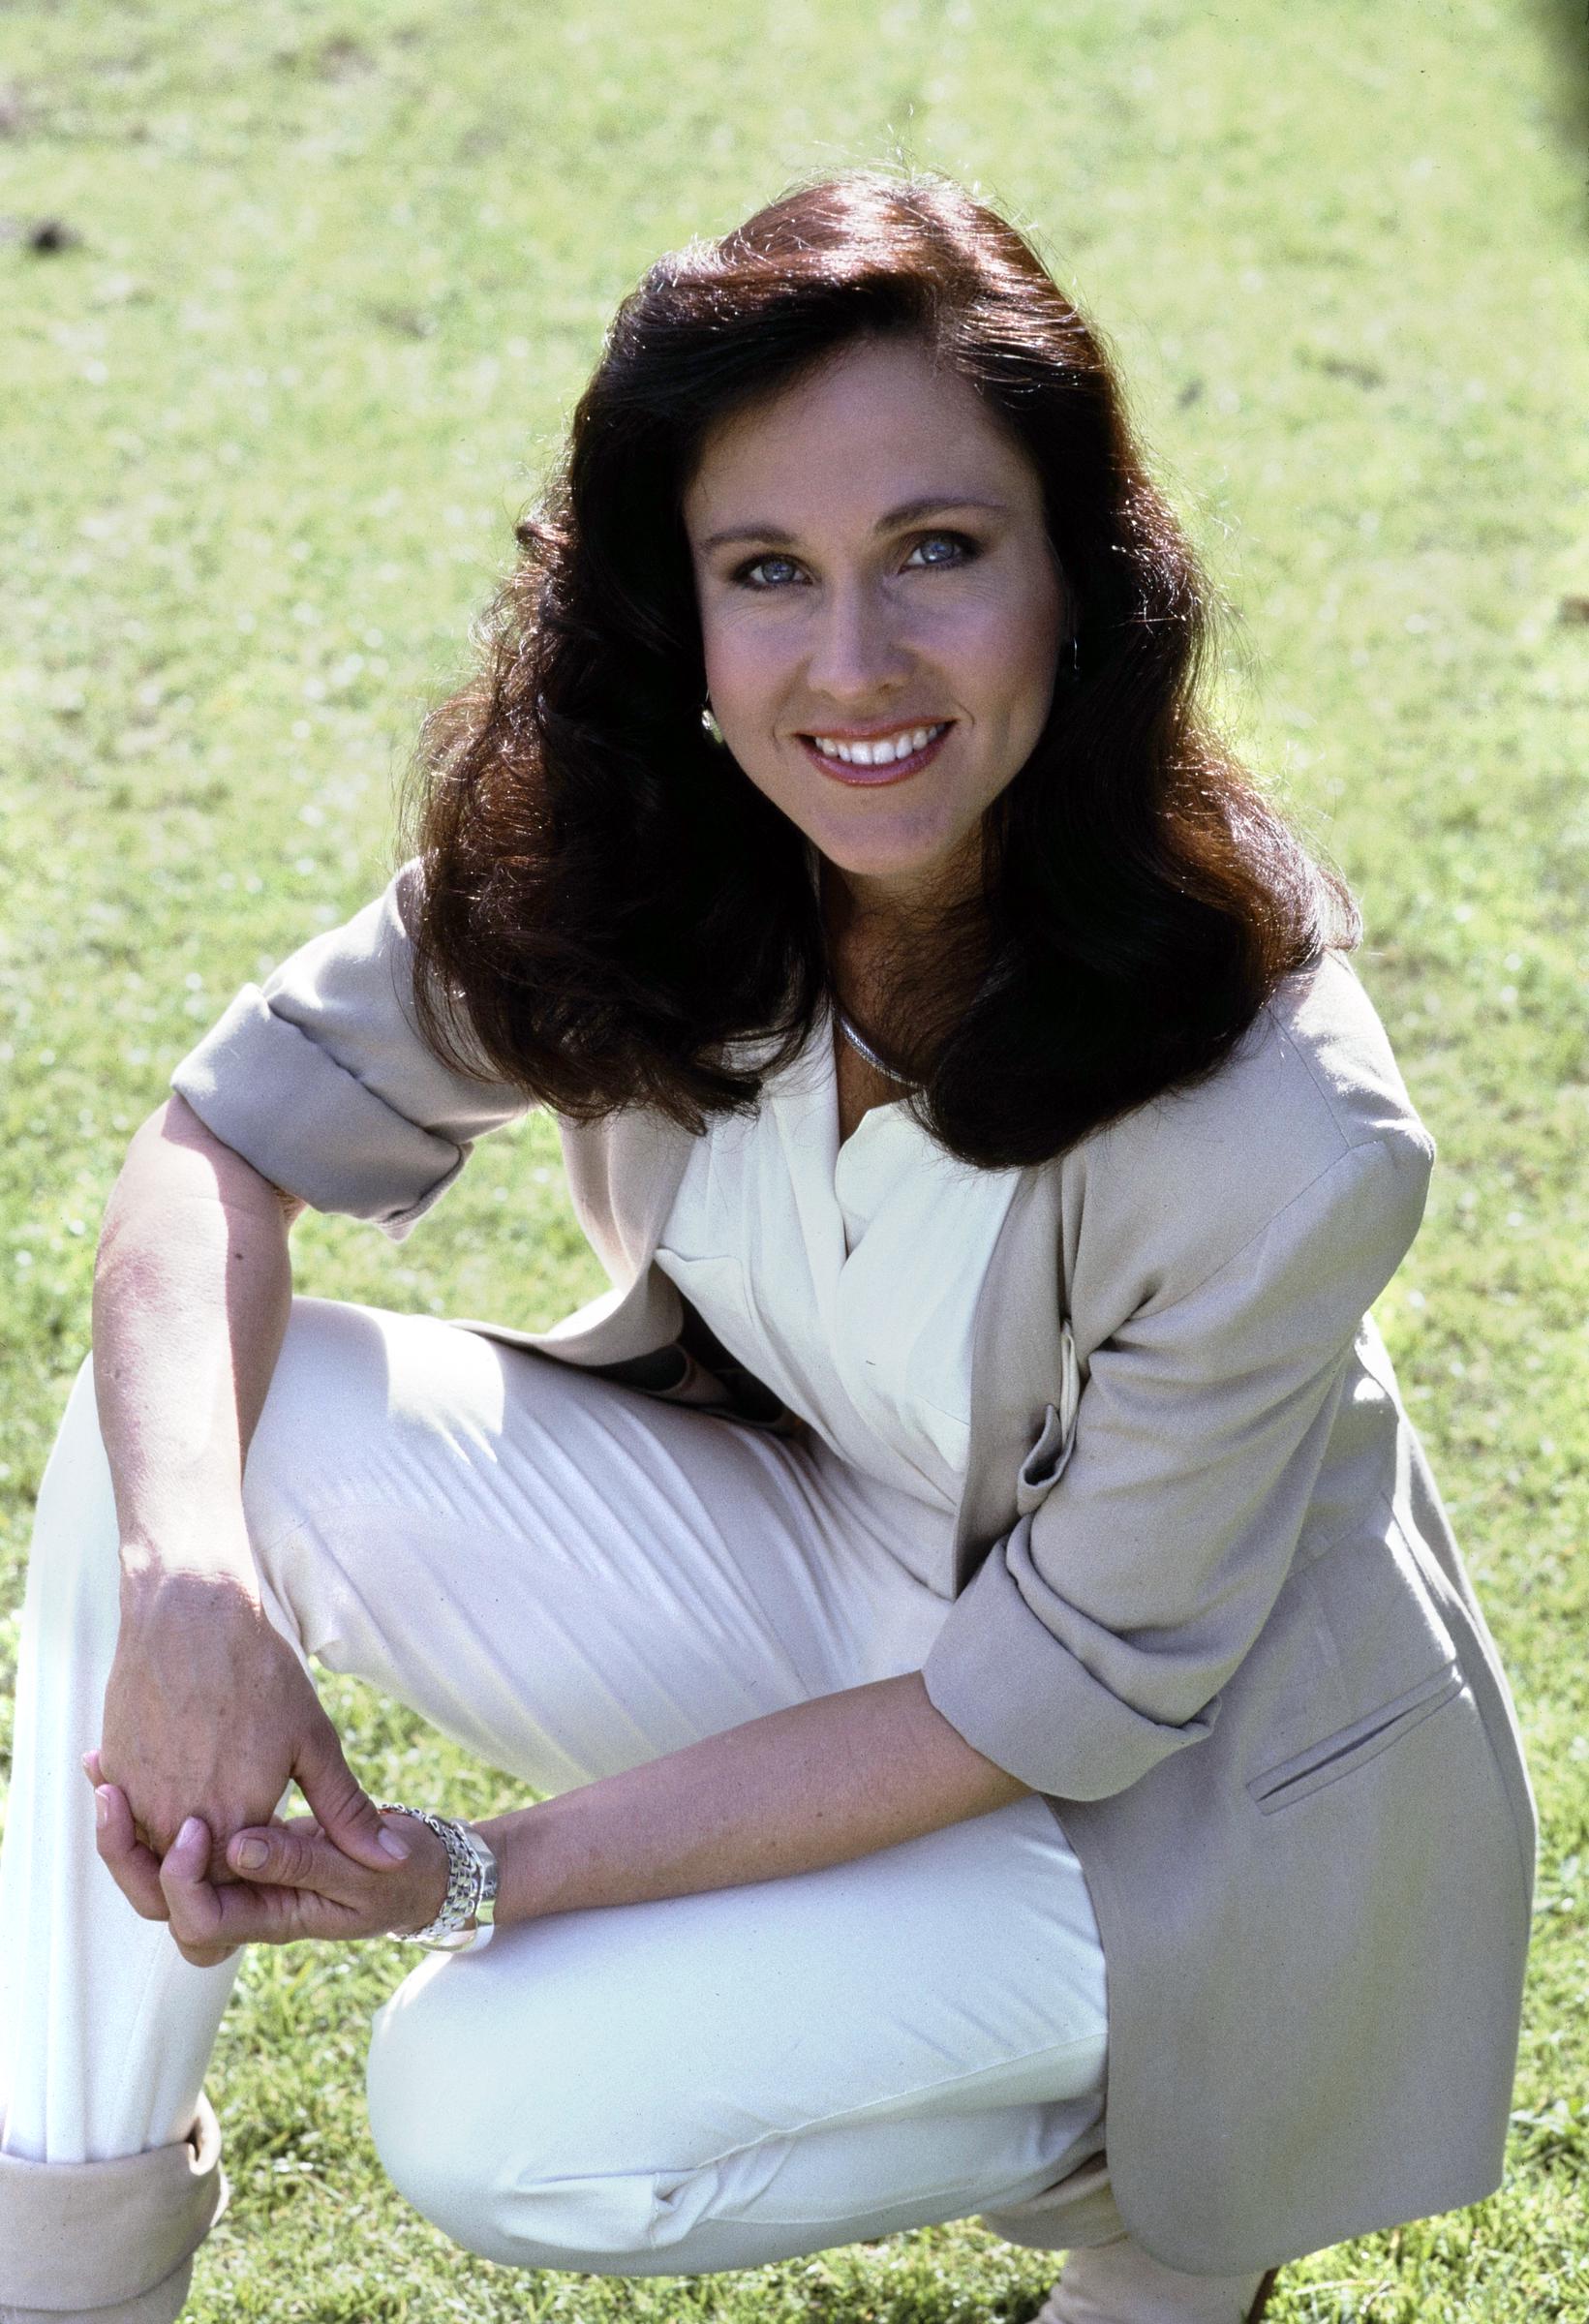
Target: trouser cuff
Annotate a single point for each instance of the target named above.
(163, 2305)
(111, 2242)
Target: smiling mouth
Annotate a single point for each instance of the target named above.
(885, 758)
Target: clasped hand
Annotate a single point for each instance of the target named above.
(289, 1881)
(208, 1717)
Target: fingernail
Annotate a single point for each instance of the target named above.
(102, 1808)
(190, 1832)
(391, 1845)
(252, 1855)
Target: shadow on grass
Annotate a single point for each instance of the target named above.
(1563, 26)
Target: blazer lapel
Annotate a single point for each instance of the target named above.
(1017, 1363)
(623, 1174)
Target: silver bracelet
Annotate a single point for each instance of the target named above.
(468, 1919)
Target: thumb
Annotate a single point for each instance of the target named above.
(341, 1806)
(282, 1856)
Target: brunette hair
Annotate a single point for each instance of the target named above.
(611, 908)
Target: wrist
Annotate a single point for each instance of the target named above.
(157, 1576)
(464, 1910)
(526, 1844)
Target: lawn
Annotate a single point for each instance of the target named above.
(298, 299)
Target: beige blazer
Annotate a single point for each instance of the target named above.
(1211, 1608)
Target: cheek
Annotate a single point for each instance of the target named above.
(1030, 643)
(1003, 655)
(742, 665)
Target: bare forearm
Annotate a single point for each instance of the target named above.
(192, 1292)
(817, 1783)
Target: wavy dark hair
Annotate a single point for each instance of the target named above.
(612, 909)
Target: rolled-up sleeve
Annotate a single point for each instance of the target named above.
(1093, 1639)
(321, 1078)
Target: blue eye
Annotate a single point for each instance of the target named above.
(748, 572)
(960, 549)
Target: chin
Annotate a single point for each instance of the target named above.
(881, 858)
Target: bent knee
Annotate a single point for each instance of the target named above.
(625, 2223)
(525, 2173)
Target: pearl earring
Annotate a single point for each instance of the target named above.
(708, 720)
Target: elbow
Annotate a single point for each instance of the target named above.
(174, 1161)
(180, 1130)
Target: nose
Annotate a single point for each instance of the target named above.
(858, 652)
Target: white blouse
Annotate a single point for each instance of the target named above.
(843, 1276)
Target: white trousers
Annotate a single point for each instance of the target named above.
(570, 1579)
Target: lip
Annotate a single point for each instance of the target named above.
(871, 778)
(875, 731)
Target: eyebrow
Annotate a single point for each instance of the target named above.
(907, 512)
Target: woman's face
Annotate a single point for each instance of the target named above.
(882, 611)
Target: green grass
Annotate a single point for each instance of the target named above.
(342, 271)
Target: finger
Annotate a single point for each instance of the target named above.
(135, 1868)
(299, 1856)
(250, 1915)
(184, 1879)
(205, 1956)
(194, 1905)
(303, 1886)
(343, 1810)
(235, 1911)
(92, 1769)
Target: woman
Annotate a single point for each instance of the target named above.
(976, 1544)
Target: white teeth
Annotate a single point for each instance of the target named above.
(880, 753)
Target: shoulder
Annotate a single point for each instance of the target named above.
(1312, 1077)
(1309, 1112)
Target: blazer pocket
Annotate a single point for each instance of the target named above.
(1045, 1465)
(1352, 1747)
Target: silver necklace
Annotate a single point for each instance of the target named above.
(864, 1049)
